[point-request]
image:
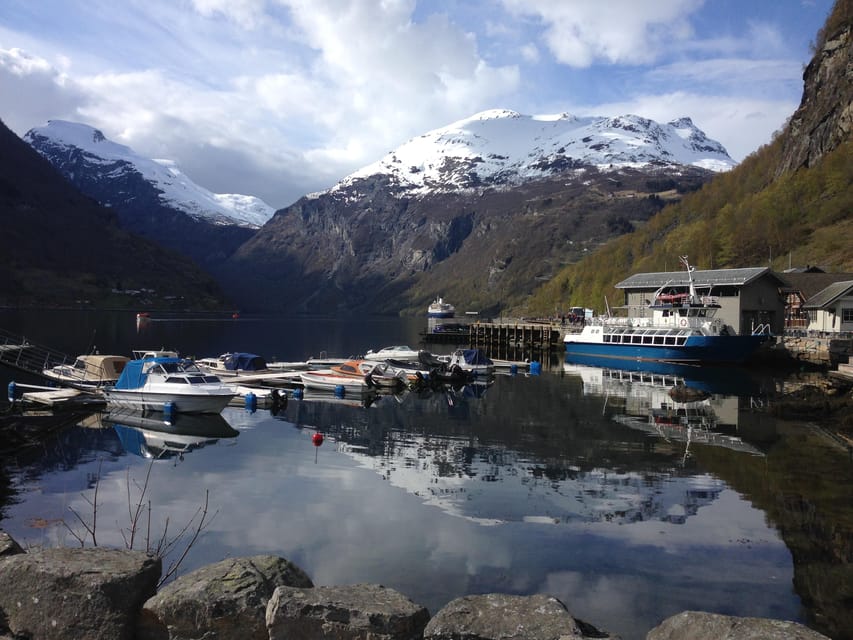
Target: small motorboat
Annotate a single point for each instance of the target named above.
(396, 352)
(234, 364)
(385, 376)
(474, 361)
(88, 371)
(328, 380)
(152, 383)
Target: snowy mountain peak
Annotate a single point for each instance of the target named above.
(176, 189)
(501, 147)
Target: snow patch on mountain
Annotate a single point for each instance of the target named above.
(503, 147)
(177, 190)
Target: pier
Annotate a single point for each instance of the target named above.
(500, 337)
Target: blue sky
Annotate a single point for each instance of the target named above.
(279, 98)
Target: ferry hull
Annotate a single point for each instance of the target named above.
(697, 349)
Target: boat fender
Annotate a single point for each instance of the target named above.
(298, 394)
(169, 411)
(11, 392)
(340, 390)
(251, 402)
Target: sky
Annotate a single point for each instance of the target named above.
(281, 98)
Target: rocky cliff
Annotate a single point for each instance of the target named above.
(824, 118)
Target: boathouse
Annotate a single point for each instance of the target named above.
(748, 297)
(816, 301)
(831, 310)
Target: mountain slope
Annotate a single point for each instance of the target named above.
(788, 203)
(504, 147)
(151, 197)
(58, 247)
(480, 211)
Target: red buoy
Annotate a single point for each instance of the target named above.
(317, 439)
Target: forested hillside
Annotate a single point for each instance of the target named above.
(789, 203)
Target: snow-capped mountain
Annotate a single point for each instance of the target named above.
(58, 140)
(502, 147)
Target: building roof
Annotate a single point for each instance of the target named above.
(829, 295)
(810, 284)
(710, 277)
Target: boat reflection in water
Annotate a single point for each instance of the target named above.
(147, 435)
(682, 403)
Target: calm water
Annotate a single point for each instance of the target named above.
(583, 483)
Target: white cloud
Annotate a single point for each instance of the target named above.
(279, 98)
(582, 32)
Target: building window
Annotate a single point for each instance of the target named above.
(847, 315)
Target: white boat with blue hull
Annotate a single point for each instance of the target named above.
(673, 328)
(152, 383)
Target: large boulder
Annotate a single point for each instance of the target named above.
(8, 546)
(699, 625)
(343, 613)
(76, 593)
(223, 600)
(497, 616)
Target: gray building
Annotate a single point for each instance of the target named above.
(747, 297)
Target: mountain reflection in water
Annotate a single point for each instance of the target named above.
(596, 485)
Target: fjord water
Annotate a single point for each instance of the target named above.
(582, 483)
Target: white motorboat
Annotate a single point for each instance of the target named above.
(152, 383)
(396, 352)
(328, 380)
(88, 371)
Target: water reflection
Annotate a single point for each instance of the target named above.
(670, 402)
(551, 484)
(148, 435)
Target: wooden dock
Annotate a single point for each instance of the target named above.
(505, 337)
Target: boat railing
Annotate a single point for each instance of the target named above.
(25, 355)
(762, 329)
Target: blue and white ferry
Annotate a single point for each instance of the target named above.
(673, 328)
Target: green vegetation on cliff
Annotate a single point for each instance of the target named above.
(743, 218)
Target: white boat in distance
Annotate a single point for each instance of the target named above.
(396, 352)
(150, 383)
(88, 371)
(440, 309)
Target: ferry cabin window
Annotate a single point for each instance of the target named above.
(669, 340)
(658, 340)
(847, 315)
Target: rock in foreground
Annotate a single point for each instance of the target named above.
(76, 593)
(496, 616)
(343, 613)
(698, 625)
(223, 600)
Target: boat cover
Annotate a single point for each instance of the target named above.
(133, 376)
(245, 362)
(475, 357)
